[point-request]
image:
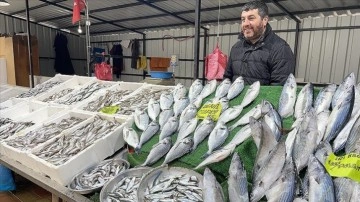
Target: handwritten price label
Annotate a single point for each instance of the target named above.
(212, 110)
(344, 166)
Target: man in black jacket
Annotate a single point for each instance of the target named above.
(259, 55)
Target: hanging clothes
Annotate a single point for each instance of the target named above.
(63, 63)
(118, 63)
(141, 63)
(135, 52)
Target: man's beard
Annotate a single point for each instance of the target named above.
(257, 32)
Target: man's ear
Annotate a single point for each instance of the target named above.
(265, 20)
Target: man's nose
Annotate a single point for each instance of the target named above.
(245, 22)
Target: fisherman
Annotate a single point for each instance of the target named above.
(259, 55)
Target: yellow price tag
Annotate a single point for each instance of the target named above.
(344, 166)
(212, 110)
(110, 109)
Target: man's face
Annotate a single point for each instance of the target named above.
(252, 25)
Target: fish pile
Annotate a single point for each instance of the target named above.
(82, 93)
(4, 121)
(2, 108)
(181, 187)
(111, 97)
(42, 134)
(58, 95)
(62, 148)
(12, 128)
(40, 88)
(99, 175)
(140, 100)
(125, 190)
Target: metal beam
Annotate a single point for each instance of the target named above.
(102, 9)
(29, 45)
(167, 12)
(285, 11)
(35, 7)
(197, 39)
(96, 18)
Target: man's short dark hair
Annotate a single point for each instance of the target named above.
(260, 5)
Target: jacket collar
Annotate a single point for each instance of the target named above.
(262, 37)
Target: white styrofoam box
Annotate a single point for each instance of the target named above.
(21, 109)
(6, 105)
(13, 91)
(90, 156)
(74, 83)
(22, 155)
(4, 87)
(117, 87)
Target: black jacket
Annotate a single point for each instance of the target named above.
(270, 60)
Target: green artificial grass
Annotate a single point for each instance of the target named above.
(246, 150)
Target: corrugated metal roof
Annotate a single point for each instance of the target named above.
(109, 16)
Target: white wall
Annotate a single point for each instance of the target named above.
(46, 36)
(323, 56)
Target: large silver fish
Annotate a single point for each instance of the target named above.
(164, 116)
(269, 172)
(321, 187)
(353, 142)
(340, 115)
(283, 190)
(254, 112)
(342, 137)
(224, 104)
(322, 151)
(148, 133)
(166, 100)
(268, 108)
(323, 100)
(188, 114)
(195, 89)
(322, 121)
(251, 94)
(202, 131)
(158, 150)
(340, 92)
(256, 131)
(243, 134)
(236, 87)
(356, 193)
(130, 136)
(217, 137)
(179, 149)
(217, 156)
(237, 181)
(208, 89)
(290, 139)
(343, 188)
(169, 128)
(212, 191)
(180, 105)
(304, 100)
(187, 128)
(223, 88)
(230, 114)
(153, 109)
(288, 97)
(179, 91)
(141, 119)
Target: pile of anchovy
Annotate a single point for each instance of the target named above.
(4, 121)
(42, 134)
(140, 100)
(12, 128)
(98, 176)
(61, 149)
(58, 95)
(176, 188)
(108, 99)
(82, 93)
(40, 88)
(126, 189)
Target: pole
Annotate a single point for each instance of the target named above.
(204, 54)
(87, 38)
(197, 39)
(29, 44)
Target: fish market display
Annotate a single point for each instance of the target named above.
(62, 148)
(140, 100)
(171, 184)
(12, 128)
(98, 175)
(111, 97)
(40, 88)
(288, 97)
(82, 93)
(42, 134)
(58, 95)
